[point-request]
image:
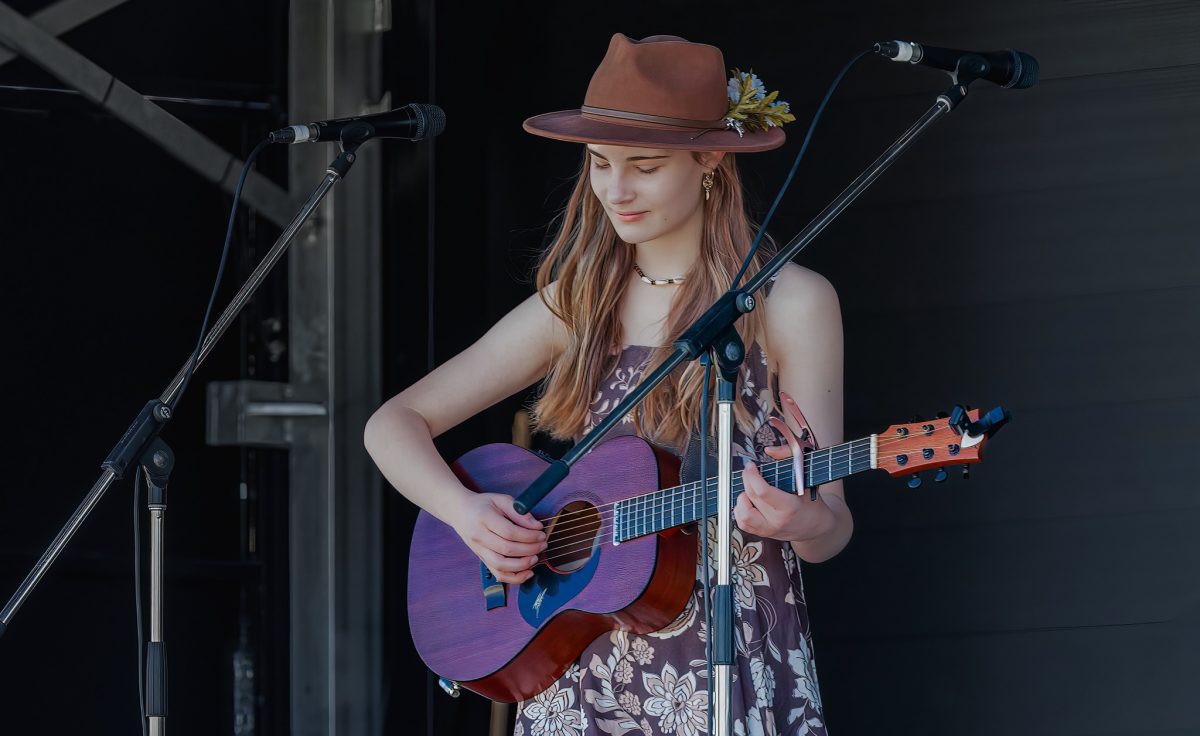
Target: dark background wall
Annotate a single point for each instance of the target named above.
(1035, 249)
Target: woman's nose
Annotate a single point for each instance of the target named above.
(620, 189)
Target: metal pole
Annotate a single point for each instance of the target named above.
(722, 633)
(156, 709)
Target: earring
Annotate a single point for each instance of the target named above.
(707, 183)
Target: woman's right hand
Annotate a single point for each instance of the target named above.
(508, 543)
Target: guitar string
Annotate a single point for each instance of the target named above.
(782, 474)
(775, 473)
(561, 551)
(846, 453)
(779, 470)
(651, 505)
(840, 451)
(684, 492)
(604, 525)
(810, 461)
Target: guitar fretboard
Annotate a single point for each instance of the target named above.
(683, 504)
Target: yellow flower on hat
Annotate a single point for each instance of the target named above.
(751, 107)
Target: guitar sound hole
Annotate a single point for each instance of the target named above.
(571, 535)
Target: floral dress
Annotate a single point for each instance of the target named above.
(657, 683)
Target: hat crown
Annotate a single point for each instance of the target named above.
(659, 92)
(661, 75)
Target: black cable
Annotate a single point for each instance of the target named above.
(137, 592)
(237, 195)
(762, 229)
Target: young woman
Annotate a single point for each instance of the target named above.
(653, 233)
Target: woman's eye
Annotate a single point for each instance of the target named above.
(644, 171)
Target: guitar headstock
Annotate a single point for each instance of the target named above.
(954, 439)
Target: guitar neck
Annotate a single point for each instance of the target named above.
(684, 504)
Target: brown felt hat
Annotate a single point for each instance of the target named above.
(659, 92)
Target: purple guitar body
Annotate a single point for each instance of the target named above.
(584, 585)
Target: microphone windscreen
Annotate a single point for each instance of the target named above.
(433, 118)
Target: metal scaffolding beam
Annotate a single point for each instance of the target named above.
(336, 496)
(176, 137)
(63, 16)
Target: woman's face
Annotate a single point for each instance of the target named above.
(661, 186)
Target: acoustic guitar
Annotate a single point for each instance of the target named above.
(615, 557)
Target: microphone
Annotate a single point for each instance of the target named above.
(412, 122)
(1007, 68)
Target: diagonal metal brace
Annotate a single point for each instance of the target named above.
(64, 16)
(175, 136)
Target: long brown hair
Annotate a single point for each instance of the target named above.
(591, 265)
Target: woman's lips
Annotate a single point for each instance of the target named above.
(631, 217)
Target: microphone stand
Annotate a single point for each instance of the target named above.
(728, 354)
(710, 333)
(158, 472)
(141, 444)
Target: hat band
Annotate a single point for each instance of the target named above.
(642, 117)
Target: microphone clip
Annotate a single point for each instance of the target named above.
(354, 135)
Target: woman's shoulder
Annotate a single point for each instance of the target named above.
(800, 305)
(550, 312)
(795, 282)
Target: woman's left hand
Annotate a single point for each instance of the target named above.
(767, 511)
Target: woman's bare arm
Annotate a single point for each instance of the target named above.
(804, 336)
(512, 355)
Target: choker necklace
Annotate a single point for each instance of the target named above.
(656, 282)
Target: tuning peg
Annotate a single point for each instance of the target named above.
(941, 475)
(966, 472)
(915, 481)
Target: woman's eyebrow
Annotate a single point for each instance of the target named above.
(631, 158)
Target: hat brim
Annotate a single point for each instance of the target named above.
(571, 125)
